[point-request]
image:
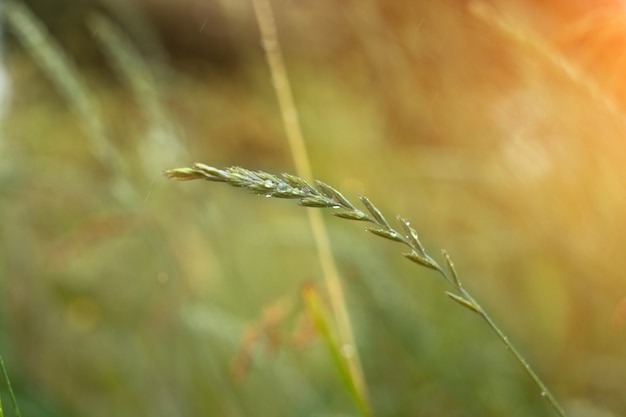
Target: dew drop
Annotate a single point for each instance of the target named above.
(543, 393)
(268, 196)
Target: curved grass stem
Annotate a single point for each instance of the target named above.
(324, 196)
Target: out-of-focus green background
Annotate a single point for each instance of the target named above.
(498, 128)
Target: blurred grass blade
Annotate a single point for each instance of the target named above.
(10, 389)
(68, 81)
(323, 323)
(58, 66)
(162, 145)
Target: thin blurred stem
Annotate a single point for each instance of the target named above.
(282, 87)
(289, 113)
(10, 389)
(58, 66)
(323, 323)
(142, 80)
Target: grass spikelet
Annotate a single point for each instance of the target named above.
(183, 174)
(352, 215)
(412, 236)
(335, 195)
(387, 234)
(463, 302)
(451, 269)
(421, 260)
(380, 219)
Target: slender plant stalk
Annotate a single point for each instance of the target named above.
(289, 113)
(10, 389)
(58, 66)
(324, 324)
(324, 196)
(142, 80)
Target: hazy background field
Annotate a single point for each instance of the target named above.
(498, 128)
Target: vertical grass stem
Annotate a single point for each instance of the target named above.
(10, 389)
(289, 113)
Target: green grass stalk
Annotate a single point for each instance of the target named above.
(289, 113)
(142, 81)
(324, 324)
(58, 66)
(324, 196)
(7, 381)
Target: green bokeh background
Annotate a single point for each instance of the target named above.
(498, 131)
